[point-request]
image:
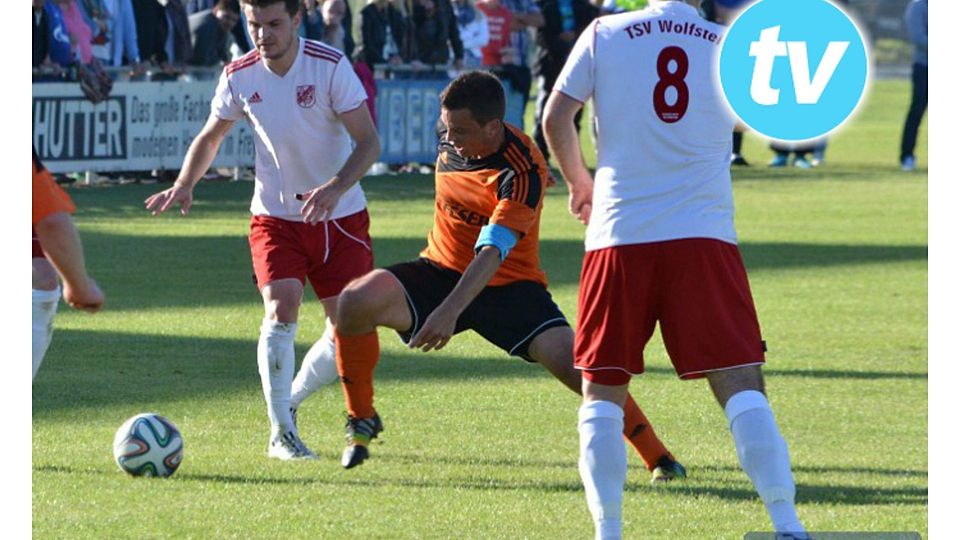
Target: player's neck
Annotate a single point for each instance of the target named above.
(497, 143)
(280, 66)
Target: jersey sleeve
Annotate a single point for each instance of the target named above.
(346, 91)
(576, 79)
(48, 197)
(225, 105)
(519, 195)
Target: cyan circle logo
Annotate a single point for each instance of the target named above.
(793, 70)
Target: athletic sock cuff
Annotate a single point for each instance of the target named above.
(328, 330)
(600, 409)
(744, 401)
(40, 295)
(277, 328)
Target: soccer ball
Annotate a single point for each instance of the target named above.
(148, 445)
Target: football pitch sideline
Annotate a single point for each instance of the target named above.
(479, 445)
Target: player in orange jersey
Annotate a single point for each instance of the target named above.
(56, 251)
(479, 271)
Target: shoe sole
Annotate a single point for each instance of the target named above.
(292, 458)
(354, 455)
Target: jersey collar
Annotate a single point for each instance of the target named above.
(674, 6)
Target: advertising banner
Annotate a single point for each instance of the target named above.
(141, 126)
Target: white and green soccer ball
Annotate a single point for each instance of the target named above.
(148, 445)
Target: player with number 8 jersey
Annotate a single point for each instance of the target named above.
(661, 245)
(655, 78)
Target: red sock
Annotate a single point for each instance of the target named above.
(639, 433)
(357, 357)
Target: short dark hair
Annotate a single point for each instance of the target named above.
(233, 6)
(477, 91)
(292, 6)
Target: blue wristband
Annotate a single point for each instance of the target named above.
(497, 236)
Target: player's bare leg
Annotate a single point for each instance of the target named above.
(276, 361)
(761, 449)
(376, 299)
(46, 297)
(553, 349)
(603, 458)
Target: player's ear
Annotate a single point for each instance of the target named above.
(493, 127)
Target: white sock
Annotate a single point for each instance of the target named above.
(276, 360)
(764, 457)
(319, 368)
(603, 465)
(44, 308)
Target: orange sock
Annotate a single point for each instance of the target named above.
(639, 433)
(357, 357)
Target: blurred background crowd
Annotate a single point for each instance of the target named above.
(525, 42)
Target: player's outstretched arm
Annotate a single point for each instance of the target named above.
(439, 326)
(200, 155)
(61, 243)
(321, 201)
(564, 143)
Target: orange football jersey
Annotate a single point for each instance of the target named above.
(505, 188)
(48, 198)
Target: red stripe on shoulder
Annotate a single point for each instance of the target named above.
(328, 58)
(244, 61)
(322, 48)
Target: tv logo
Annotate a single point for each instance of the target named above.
(769, 48)
(793, 70)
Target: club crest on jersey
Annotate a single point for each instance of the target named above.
(306, 95)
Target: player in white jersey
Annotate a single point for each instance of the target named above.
(660, 244)
(305, 104)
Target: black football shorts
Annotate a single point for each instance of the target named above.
(509, 316)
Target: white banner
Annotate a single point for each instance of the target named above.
(142, 126)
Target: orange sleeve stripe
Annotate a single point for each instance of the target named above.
(521, 180)
(526, 166)
(512, 159)
(516, 157)
(524, 187)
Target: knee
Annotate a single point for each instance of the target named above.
(282, 310)
(355, 303)
(282, 307)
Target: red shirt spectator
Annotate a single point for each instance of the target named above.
(365, 74)
(498, 21)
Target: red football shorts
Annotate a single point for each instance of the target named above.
(330, 254)
(697, 290)
(37, 249)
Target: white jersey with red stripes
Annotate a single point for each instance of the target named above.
(663, 127)
(300, 141)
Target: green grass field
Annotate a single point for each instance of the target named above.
(478, 445)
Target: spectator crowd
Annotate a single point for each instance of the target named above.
(521, 41)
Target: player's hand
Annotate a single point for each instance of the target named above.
(320, 202)
(159, 203)
(435, 332)
(87, 297)
(581, 202)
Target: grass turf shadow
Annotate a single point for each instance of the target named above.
(806, 493)
(148, 272)
(144, 369)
